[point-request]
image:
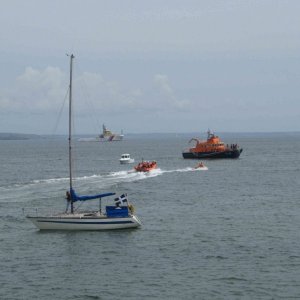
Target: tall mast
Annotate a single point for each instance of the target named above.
(70, 129)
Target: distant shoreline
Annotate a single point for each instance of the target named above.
(18, 136)
(130, 136)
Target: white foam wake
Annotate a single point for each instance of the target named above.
(187, 169)
(102, 180)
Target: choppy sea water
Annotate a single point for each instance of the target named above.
(231, 232)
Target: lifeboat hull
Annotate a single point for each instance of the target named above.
(144, 169)
(223, 154)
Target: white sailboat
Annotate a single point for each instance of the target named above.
(118, 216)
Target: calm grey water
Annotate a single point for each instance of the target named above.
(231, 232)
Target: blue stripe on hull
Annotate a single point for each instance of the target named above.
(85, 223)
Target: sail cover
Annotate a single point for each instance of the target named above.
(75, 197)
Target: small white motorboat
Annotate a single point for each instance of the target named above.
(125, 159)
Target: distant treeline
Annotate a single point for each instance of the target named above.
(18, 136)
(131, 136)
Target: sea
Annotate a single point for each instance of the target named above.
(229, 232)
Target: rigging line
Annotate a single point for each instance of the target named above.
(78, 206)
(75, 154)
(73, 143)
(60, 113)
(89, 103)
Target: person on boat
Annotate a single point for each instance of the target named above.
(200, 165)
(68, 198)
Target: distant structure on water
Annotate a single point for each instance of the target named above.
(106, 136)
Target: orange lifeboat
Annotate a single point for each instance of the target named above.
(213, 147)
(146, 166)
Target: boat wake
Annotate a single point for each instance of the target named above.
(188, 169)
(131, 175)
(101, 181)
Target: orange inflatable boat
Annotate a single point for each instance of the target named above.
(146, 166)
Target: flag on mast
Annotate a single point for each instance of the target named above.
(121, 199)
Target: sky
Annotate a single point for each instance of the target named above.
(150, 66)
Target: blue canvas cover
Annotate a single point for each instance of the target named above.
(75, 197)
(117, 212)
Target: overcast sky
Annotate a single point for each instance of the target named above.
(150, 66)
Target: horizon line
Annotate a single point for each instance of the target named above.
(165, 132)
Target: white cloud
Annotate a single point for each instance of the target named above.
(162, 81)
(158, 101)
(168, 99)
(101, 95)
(43, 91)
(35, 91)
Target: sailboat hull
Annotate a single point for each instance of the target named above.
(84, 223)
